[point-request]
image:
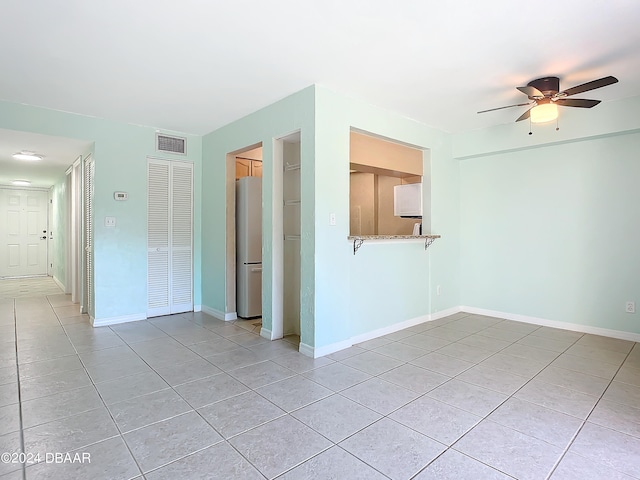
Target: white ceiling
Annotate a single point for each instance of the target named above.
(59, 153)
(195, 65)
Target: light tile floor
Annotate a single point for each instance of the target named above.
(191, 397)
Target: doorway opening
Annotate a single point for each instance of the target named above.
(244, 241)
(282, 302)
(287, 242)
(47, 209)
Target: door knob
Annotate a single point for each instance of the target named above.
(43, 238)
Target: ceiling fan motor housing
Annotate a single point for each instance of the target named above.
(549, 86)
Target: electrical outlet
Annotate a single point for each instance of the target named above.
(630, 307)
(332, 219)
(438, 290)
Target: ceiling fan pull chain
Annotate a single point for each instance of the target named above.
(557, 124)
(530, 132)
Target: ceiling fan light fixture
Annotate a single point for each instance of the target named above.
(21, 183)
(28, 156)
(546, 112)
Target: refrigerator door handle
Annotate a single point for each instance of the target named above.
(258, 269)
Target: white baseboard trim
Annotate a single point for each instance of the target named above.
(390, 329)
(60, 284)
(102, 322)
(576, 327)
(218, 314)
(306, 350)
(197, 308)
(326, 349)
(444, 313)
(335, 347)
(316, 352)
(265, 333)
(213, 312)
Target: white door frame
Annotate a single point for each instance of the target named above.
(76, 278)
(277, 239)
(87, 285)
(230, 312)
(50, 239)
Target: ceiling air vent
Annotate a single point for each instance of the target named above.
(165, 143)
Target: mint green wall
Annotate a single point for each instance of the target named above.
(293, 113)
(384, 283)
(549, 221)
(541, 225)
(342, 295)
(120, 154)
(60, 219)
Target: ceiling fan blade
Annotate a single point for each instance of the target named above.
(530, 91)
(577, 102)
(508, 106)
(524, 116)
(585, 87)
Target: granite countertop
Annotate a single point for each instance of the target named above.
(389, 237)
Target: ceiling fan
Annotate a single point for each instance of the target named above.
(545, 95)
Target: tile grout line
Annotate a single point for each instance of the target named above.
(333, 393)
(486, 417)
(451, 447)
(223, 439)
(556, 464)
(586, 419)
(120, 435)
(15, 334)
(288, 413)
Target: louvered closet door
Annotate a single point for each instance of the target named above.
(181, 237)
(170, 237)
(158, 238)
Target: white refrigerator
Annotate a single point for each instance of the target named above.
(249, 247)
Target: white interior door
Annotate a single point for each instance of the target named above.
(169, 237)
(23, 232)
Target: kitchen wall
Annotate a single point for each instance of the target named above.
(362, 200)
(367, 152)
(549, 222)
(388, 223)
(371, 206)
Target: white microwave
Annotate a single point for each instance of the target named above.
(407, 200)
